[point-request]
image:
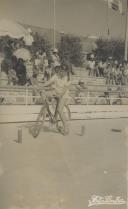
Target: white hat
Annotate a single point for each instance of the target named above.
(29, 30)
(44, 53)
(92, 56)
(55, 50)
(115, 62)
(56, 64)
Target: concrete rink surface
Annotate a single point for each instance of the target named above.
(63, 172)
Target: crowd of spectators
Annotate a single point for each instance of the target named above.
(41, 64)
(115, 73)
(21, 72)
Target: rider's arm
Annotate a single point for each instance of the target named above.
(49, 82)
(41, 86)
(69, 83)
(66, 87)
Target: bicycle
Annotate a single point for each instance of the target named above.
(45, 112)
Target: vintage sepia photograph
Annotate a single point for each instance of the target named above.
(63, 104)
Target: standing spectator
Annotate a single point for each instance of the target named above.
(117, 75)
(116, 63)
(107, 73)
(101, 68)
(120, 75)
(44, 61)
(21, 72)
(47, 73)
(34, 83)
(37, 61)
(112, 74)
(14, 62)
(40, 56)
(91, 66)
(107, 96)
(67, 66)
(104, 64)
(125, 74)
(1, 60)
(55, 58)
(96, 69)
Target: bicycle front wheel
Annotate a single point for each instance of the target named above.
(39, 123)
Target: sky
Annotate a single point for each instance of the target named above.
(81, 17)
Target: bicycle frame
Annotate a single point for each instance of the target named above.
(42, 115)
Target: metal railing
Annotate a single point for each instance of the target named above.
(28, 99)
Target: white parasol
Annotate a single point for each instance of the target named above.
(23, 53)
(15, 30)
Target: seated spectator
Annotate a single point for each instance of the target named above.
(1, 100)
(55, 58)
(47, 73)
(107, 96)
(4, 78)
(12, 78)
(81, 85)
(34, 80)
(35, 69)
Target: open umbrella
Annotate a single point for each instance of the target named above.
(23, 53)
(15, 30)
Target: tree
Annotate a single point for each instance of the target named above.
(40, 43)
(106, 48)
(71, 46)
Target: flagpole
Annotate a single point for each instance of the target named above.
(126, 34)
(108, 32)
(54, 35)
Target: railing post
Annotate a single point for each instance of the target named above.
(88, 97)
(26, 96)
(111, 101)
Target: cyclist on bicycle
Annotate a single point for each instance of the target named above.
(58, 87)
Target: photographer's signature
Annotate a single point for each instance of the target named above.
(106, 200)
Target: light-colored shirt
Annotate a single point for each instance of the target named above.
(37, 62)
(59, 85)
(91, 64)
(55, 60)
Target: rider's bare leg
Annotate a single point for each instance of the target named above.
(56, 109)
(48, 110)
(41, 115)
(59, 110)
(61, 102)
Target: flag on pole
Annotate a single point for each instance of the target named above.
(115, 5)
